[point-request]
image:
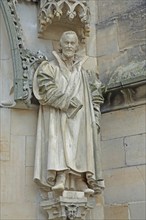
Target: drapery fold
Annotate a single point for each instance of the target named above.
(69, 115)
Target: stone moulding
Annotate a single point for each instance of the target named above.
(24, 61)
(55, 10)
(13, 29)
(71, 205)
(124, 75)
(126, 87)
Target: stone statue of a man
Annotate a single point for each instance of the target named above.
(67, 151)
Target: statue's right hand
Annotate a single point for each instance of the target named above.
(75, 102)
(74, 107)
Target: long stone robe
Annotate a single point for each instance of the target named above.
(67, 137)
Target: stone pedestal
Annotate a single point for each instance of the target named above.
(71, 205)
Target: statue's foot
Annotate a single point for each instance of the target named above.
(58, 187)
(82, 186)
(89, 191)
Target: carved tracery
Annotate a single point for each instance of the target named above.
(54, 10)
(49, 10)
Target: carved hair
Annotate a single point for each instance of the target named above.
(67, 33)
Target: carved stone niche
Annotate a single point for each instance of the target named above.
(57, 16)
(71, 205)
(126, 87)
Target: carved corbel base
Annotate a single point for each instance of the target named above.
(71, 205)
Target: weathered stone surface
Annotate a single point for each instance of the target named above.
(137, 210)
(91, 48)
(5, 51)
(109, 63)
(29, 176)
(23, 122)
(19, 211)
(5, 120)
(4, 150)
(131, 30)
(6, 83)
(113, 8)
(13, 172)
(96, 214)
(30, 150)
(91, 64)
(113, 154)
(106, 64)
(116, 212)
(6, 72)
(93, 7)
(125, 185)
(30, 29)
(119, 123)
(135, 149)
(19, 194)
(107, 41)
(32, 193)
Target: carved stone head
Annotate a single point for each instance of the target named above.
(71, 211)
(69, 44)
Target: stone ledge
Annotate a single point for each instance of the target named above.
(69, 205)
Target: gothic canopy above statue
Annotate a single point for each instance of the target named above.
(71, 13)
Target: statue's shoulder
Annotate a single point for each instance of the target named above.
(47, 65)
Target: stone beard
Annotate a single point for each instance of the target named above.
(67, 149)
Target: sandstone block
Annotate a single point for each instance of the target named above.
(30, 150)
(135, 149)
(29, 176)
(32, 192)
(93, 5)
(91, 48)
(125, 185)
(107, 42)
(6, 82)
(131, 31)
(96, 214)
(24, 122)
(5, 117)
(5, 120)
(137, 210)
(116, 212)
(123, 123)
(13, 172)
(91, 64)
(19, 211)
(108, 63)
(113, 154)
(4, 150)
(113, 8)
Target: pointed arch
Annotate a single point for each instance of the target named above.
(15, 44)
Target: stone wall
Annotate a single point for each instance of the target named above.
(120, 34)
(19, 195)
(120, 41)
(117, 30)
(123, 157)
